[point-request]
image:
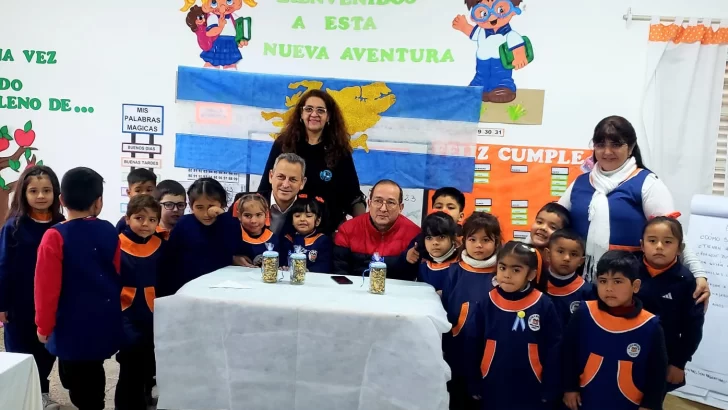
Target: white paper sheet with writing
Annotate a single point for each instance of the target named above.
(708, 237)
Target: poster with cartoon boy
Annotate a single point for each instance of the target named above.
(224, 51)
(500, 48)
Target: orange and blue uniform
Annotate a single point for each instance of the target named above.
(161, 232)
(435, 273)
(194, 249)
(316, 246)
(668, 293)
(19, 241)
(140, 262)
(615, 360)
(567, 294)
(254, 246)
(464, 289)
(520, 335)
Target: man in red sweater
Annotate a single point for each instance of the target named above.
(384, 230)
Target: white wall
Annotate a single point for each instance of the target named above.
(588, 61)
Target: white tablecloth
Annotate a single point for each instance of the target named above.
(19, 383)
(319, 346)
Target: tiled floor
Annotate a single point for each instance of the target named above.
(59, 394)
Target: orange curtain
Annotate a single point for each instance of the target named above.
(693, 34)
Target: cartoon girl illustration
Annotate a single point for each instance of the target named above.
(197, 22)
(500, 48)
(221, 26)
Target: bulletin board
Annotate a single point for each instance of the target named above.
(514, 182)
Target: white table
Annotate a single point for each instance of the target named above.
(19, 382)
(318, 346)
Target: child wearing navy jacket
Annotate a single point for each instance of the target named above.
(439, 233)
(203, 242)
(172, 197)
(141, 252)
(667, 291)
(34, 210)
(565, 254)
(466, 286)
(77, 290)
(549, 219)
(613, 353)
(305, 217)
(519, 335)
(140, 181)
(252, 212)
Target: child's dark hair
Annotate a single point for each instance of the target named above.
(483, 220)
(524, 252)
(168, 187)
(674, 224)
(140, 176)
(306, 204)
(453, 193)
(617, 130)
(208, 187)
(192, 16)
(473, 3)
(20, 207)
(80, 188)
(560, 211)
(567, 234)
(140, 202)
(623, 262)
(246, 197)
(439, 224)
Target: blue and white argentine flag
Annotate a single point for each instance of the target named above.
(227, 121)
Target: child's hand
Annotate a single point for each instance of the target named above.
(572, 400)
(41, 338)
(439, 292)
(412, 255)
(4, 317)
(242, 43)
(215, 211)
(460, 23)
(675, 375)
(243, 261)
(519, 58)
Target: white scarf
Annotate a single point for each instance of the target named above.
(444, 257)
(597, 240)
(488, 263)
(560, 277)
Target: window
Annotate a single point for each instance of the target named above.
(721, 153)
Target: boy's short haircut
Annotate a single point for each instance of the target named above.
(567, 234)
(169, 187)
(454, 193)
(623, 262)
(140, 176)
(140, 202)
(439, 223)
(80, 188)
(560, 211)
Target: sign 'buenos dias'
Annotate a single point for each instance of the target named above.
(141, 148)
(141, 162)
(142, 119)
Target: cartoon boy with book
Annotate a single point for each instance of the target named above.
(500, 48)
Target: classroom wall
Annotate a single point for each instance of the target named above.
(588, 61)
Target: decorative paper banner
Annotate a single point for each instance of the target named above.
(514, 182)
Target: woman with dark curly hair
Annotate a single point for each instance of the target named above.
(317, 132)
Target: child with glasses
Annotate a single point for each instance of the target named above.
(173, 199)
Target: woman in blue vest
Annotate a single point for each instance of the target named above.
(610, 205)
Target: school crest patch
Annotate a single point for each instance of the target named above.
(633, 350)
(312, 255)
(534, 322)
(574, 306)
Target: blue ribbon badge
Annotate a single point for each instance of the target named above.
(520, 321)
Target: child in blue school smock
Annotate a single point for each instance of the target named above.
(305, 217)
(34, 210)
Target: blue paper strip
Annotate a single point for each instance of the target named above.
(410, 170)
(420, 101)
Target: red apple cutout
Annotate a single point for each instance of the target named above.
(4, 144)
(26, 136)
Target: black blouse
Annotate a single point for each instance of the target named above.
(338, 187)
